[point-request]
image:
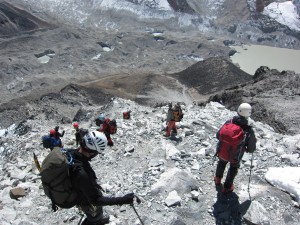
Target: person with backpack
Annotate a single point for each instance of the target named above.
(59, 135)
(77, 133)
(235, 137)
(174, 115)
(77, 176)
(51, 140)
(108, 127)
(126, 115)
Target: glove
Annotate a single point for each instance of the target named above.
(127, 199)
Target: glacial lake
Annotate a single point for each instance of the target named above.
(251, 57)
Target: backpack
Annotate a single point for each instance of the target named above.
(178, 115)
(231, 142)
(126, 115)
(112, 126)
(47, 141)
(56, 180)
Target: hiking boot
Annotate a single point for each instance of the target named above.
(217, 181)
(104, 220)
(228, 190)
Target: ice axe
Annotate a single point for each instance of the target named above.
(138, 201)
(37, 163)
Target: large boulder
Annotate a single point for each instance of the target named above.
(175, 179)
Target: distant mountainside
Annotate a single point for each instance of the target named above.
(16, 21)
(147, 53)
(212, 75)
(274, 95)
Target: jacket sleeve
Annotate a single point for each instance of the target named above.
(89, 190)
(101, 128)
(104, 200)
(251, 142)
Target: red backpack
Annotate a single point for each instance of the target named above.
(231, 142)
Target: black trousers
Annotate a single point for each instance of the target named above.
(232, 172)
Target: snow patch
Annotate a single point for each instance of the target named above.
(287, 179)
(284, 13)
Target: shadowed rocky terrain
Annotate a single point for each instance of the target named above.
(66, 61)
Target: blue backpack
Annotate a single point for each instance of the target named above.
(47, 141)
(50, 142)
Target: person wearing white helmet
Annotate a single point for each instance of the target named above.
(245, 110)
(247, 145)
(90, 198)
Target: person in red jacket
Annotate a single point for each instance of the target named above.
(105, 128)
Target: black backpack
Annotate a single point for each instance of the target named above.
(55, 178)
(112, 126)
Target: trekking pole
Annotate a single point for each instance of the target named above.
(250, 176)
(80, 220)
(214, 158)
(138, 201)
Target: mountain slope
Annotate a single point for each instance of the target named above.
(16, 21)
(274, 95)
(212, 75)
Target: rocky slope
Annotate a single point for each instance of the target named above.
(173, 177)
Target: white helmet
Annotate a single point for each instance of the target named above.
(244, 110)
(101, 117)
(95, 141)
